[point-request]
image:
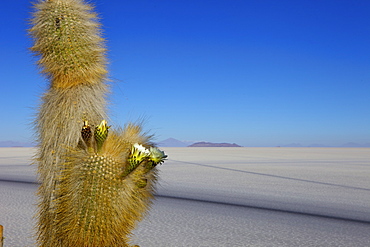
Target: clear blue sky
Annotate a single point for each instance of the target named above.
(257, 73)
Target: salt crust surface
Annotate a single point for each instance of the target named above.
(228, 197)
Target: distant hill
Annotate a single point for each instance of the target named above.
(356, 145)
(210, 144)
(317, 145)
(292, 145)
(172, 142)
(346, 145)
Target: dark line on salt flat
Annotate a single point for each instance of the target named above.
(274, 176)
(18, 181)
(265, 208)
(228, 204)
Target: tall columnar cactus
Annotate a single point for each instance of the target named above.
(96, 183)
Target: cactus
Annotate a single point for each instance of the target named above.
(95, 183)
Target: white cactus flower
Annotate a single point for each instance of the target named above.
(156, 155)
(139, 152)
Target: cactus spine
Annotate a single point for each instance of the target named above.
(93, 186)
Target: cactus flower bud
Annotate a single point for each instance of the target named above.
(100, 134)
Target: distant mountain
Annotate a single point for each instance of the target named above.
(172, 142)
(346, 145)
(315, 145)
(15, 144)
(210, 144)
(355, 145)
(298, 145)
(292, 145)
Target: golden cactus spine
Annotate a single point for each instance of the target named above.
(90, 193)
